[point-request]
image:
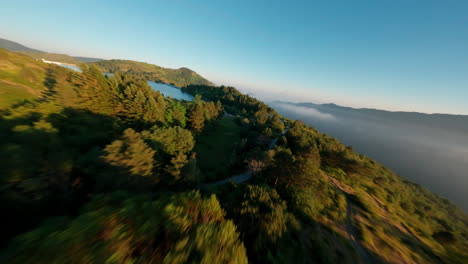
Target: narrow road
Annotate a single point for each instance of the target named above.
(247, 175)
(237, 179)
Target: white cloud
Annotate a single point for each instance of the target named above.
(307, 111)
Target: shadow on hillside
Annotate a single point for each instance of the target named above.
(308, 242)
(319, 242)
(408, 239)
(328, 245)
(50, 82)
(42, 173)
(417, 246)
(50, 165)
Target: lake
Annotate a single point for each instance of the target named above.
(71, 67)
(171, 91)
(166, 89)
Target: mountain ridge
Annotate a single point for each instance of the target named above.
(365, 108)
(15, 46)
(179, 77)
(457, 121)
(39, 54)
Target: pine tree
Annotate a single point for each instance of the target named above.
(219, 107)
(196, 118)
(174, 168)
(131, 154)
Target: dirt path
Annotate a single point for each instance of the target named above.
(245, 176)
(349, 228)
(352, 233)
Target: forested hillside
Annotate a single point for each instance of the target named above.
(179, 77)
(21, 77)
(100, 169)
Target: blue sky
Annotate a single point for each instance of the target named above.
(388, 54)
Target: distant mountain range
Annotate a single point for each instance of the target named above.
(446, 121)
(38, 54)
(15, 46)
(179, 77)
(430, 149)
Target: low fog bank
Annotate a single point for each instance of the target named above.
(431, 150)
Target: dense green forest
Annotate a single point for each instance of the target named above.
(100, 169)
(179, 77)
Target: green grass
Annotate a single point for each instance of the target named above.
(216, 147)
(11, 94)
(22, 77)
(51, 57)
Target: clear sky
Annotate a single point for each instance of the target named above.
(404, 55)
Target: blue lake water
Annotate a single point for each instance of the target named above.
(166, 89)
(70, 67)
(171, 91)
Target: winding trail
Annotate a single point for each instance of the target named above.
(247, 175)
(350, 229)
(352, 234)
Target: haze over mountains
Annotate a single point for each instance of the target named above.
(429, 149)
